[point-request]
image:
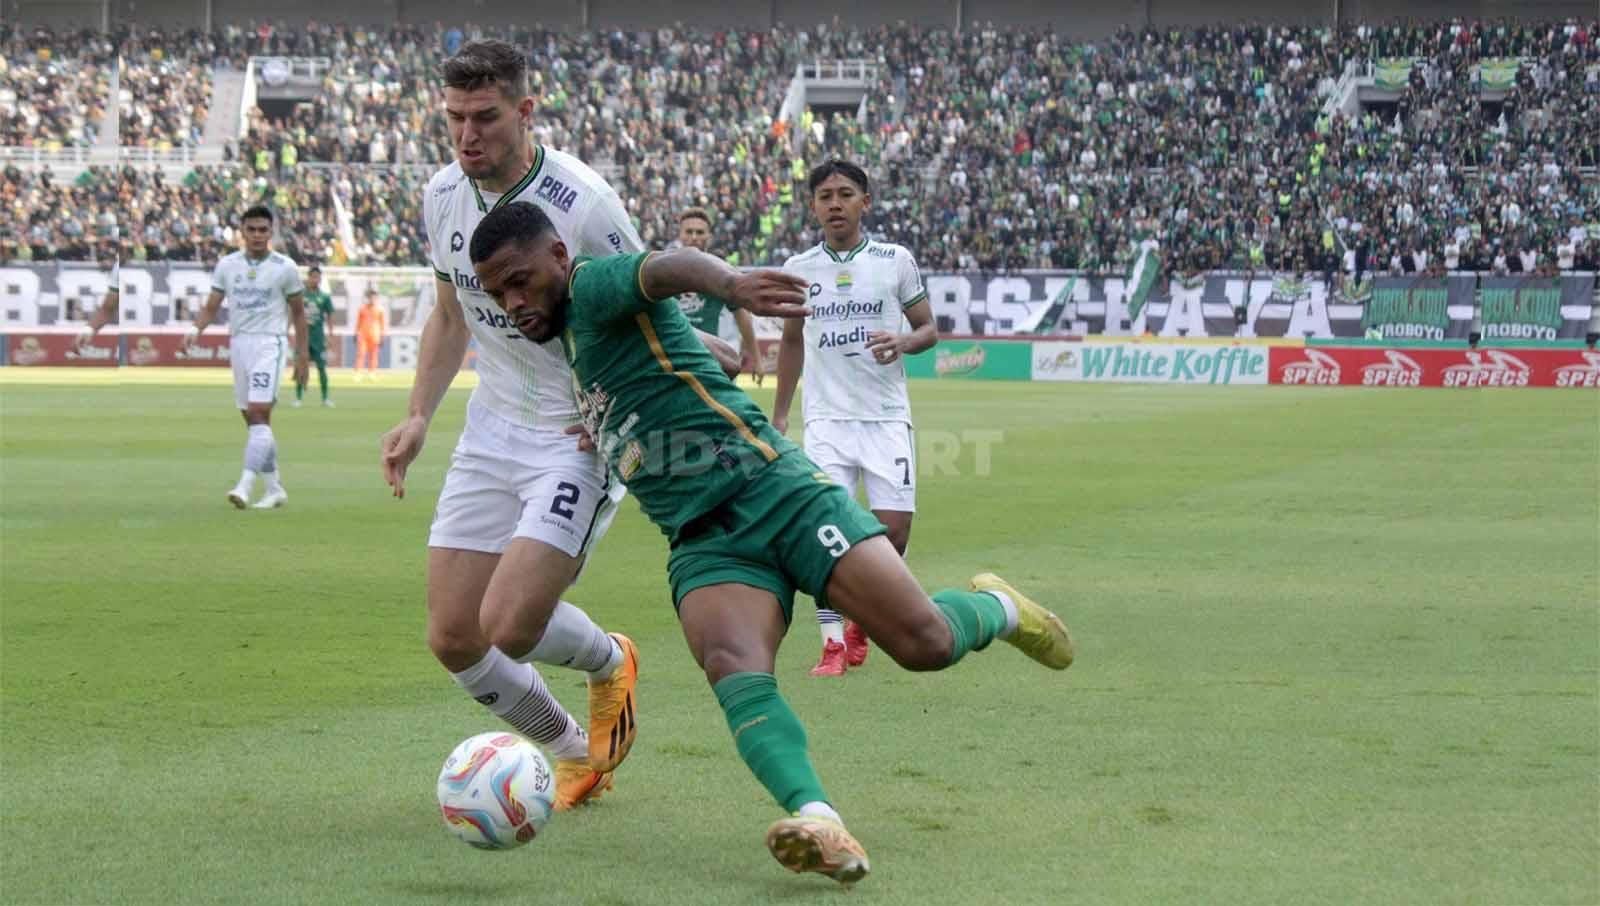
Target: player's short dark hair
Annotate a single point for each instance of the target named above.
(480, 64)
(694, 213)
(314, 269)
(256, 212)
(520, 221)
(842, 167)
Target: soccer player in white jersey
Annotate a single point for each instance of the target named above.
(265, 297)
(850, 350)
(520, 507)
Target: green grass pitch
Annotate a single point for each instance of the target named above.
(1335, 646)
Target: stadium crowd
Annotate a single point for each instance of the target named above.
(165, 90)
(53, 88)
(992, 149)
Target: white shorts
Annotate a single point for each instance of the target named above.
(506, 481)
(882, 455)
(257, 364)
(728, 331)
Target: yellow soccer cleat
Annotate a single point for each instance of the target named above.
(1040, 634)
(612, 726)
(577, 783)
(818, 844)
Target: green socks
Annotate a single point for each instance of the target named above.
(770, 738)
(976, 618)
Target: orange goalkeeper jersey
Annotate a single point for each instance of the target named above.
(370, 323)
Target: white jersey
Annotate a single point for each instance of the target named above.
(257, 292)
(522, 382)
(853, 294)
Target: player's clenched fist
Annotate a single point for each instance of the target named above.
(401, 444)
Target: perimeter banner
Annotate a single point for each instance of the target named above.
(58, 349)
(1379, 366)
(1534, 308)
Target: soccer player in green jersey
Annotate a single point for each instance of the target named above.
(705, 312)
(319, 309)
(749, 519)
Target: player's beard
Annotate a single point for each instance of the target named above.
(550, 327)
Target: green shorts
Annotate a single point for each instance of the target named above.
(315, 354)
(783, 532)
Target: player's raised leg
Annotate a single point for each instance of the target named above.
(733, 631)
(872, 586)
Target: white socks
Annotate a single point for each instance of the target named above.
(573, 640)
(517, 695)
(261, 456)
(831, 624)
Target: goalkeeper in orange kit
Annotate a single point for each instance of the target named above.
(371, 324)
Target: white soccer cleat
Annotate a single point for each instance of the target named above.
(272, 499)
(295, 404)
(239, 497)
(327, 404)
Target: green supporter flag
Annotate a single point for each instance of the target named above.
(1142, 278)
(1499, 74)
(1393, 74)
(1052, 314)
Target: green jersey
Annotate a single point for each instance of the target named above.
(667, 420)
(319, 308)
(704, 312)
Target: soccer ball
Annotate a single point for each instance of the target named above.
(496, 791)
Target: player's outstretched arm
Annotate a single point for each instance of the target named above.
(770, 293)
(444, 345)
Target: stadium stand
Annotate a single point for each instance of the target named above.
(992, 150)
(53, 88)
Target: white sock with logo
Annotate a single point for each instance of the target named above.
(573, 640)
(516, 694)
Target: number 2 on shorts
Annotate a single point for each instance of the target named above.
(564, 501)
(834, 540)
